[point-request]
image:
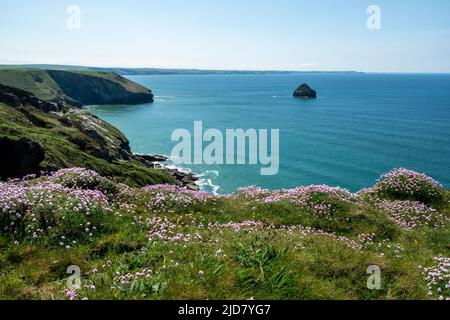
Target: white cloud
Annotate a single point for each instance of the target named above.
(308, 65)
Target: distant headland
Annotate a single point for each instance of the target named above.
(160, 71)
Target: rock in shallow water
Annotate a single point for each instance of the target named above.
(304, 91)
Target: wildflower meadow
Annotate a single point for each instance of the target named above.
(168, 242)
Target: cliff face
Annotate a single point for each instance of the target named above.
(39, 135)
(107, 88)
(23, 156)
(77, 88)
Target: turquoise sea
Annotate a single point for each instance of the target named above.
(361, 125)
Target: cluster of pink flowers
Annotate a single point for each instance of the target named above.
(366, 192)
(71, 294)
(126, 279)
(412, 214)
(249, 224)
(301, 196)
(407, 183)
(129, 208)
(253, 192)
(75, 177)
(24, 206)
(308, 231)
(13, 199)
(438, 278)
(127, 194)
(165, 198)
(161, 229)
(363, 241)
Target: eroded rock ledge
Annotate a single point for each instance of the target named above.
(38, 135)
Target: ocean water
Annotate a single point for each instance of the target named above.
(361, 126)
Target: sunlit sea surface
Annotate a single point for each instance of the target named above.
(361, 126)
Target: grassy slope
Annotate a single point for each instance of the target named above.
(264, 263)
(42, 85)
(63, 152)
(36, 81)
(114, 77)
(260, 262)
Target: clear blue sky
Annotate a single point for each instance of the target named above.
(230, 34)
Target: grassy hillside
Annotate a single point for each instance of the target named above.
(37, 82)
(66, 145)
(36, 135)
(85, 87)
(133, 236)
(166, 242)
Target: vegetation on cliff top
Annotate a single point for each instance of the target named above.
(134, 236)
(76, 87)
(36, 135)
(74, 138)
(167, 242)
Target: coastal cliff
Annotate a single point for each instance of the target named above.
(77, 88)
(46, 135)
(136, 232)
(100, 88)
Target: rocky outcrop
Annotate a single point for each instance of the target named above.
(304, 91)
(76, 88)
(19, 157)
(185, 179)
(152, 158)
(18, 98)
(86, 89)
(38, 135)
(182, 178)
(99, 138)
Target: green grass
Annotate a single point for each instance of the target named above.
(286, 252)
(114, 77)
(62, 145)
(260, 263)
(37, 82)
(42, 85)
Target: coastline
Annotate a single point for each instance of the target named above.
(319, 129)
(159, 219)
(185, 176)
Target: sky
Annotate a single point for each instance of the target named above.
(414, 35)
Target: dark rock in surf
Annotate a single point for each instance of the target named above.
(304, 91)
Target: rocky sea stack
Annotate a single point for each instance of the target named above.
(304, 91)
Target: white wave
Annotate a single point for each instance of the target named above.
(163, 98)
(206, 179)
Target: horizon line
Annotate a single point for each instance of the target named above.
(24, 65)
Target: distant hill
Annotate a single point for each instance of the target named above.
(157, 71)
(76, 87)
